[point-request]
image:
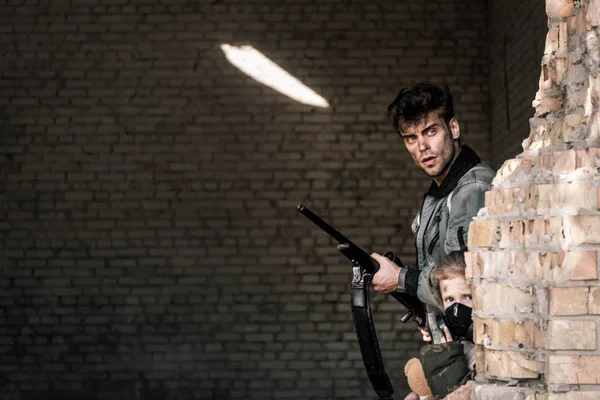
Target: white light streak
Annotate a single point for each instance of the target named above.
(256, 65)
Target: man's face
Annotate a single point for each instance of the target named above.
(455, 290)
(431, 143)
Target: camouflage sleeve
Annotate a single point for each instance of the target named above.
(465, 203)
(445, 367)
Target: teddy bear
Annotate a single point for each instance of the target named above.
(418, 383)
(416, 379)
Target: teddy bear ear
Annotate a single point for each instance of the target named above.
(410, 364)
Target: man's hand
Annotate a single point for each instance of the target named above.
(386, 279)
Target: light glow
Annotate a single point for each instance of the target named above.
(256, 65)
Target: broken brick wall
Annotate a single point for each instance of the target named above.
(533, 254)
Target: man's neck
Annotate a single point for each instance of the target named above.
(440, 178)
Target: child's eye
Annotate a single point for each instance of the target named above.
(469, 297)
(449, 299)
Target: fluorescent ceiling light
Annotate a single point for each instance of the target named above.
(256, 65)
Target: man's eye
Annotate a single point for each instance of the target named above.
(432, 131)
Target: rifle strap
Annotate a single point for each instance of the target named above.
(367, 337)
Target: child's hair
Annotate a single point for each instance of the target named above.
(452, 266)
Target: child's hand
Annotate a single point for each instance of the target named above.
(447, 334)
(425, 333)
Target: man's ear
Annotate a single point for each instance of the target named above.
(454, 128)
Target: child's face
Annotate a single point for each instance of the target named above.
(455, 290)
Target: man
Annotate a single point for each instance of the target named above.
(424, 118)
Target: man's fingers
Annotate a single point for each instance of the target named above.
(378, 256)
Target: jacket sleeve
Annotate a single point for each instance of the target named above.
(465, 203)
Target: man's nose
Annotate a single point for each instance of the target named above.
(423, 144)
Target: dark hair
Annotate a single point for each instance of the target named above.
(412, 105)
(452, 266)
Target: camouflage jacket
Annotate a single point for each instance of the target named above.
(445, 367)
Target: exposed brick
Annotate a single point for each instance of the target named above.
(593, 13)
(567, 197)
(579, 230)
(534, 267)
(567, 369)
(511, 170)
(563, 334)
(502, 391)
(547, 104)
(463, 392)
(563, 162)
(559, 8)
(574, 395)
(531, 232)
(509, 364)
(568, 300)
(594, 301)
(502, 299)
(555, 231)
(506, 333)
(546, 203)
(482, 233)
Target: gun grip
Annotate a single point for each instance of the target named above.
(393, 258)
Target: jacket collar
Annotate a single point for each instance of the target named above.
(466, 160)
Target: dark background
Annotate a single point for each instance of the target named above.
(149, 242)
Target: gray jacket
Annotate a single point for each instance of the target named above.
(442, 226)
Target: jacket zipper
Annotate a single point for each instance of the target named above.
(418, 229)
(436, 237)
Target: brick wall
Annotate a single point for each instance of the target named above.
(533, 252)
(517, 32)
(149, 242)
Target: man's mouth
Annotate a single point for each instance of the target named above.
(428, 161)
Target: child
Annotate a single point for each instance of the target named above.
(450, 364)
(454, 289)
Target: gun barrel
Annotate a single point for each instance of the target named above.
(323, 225)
